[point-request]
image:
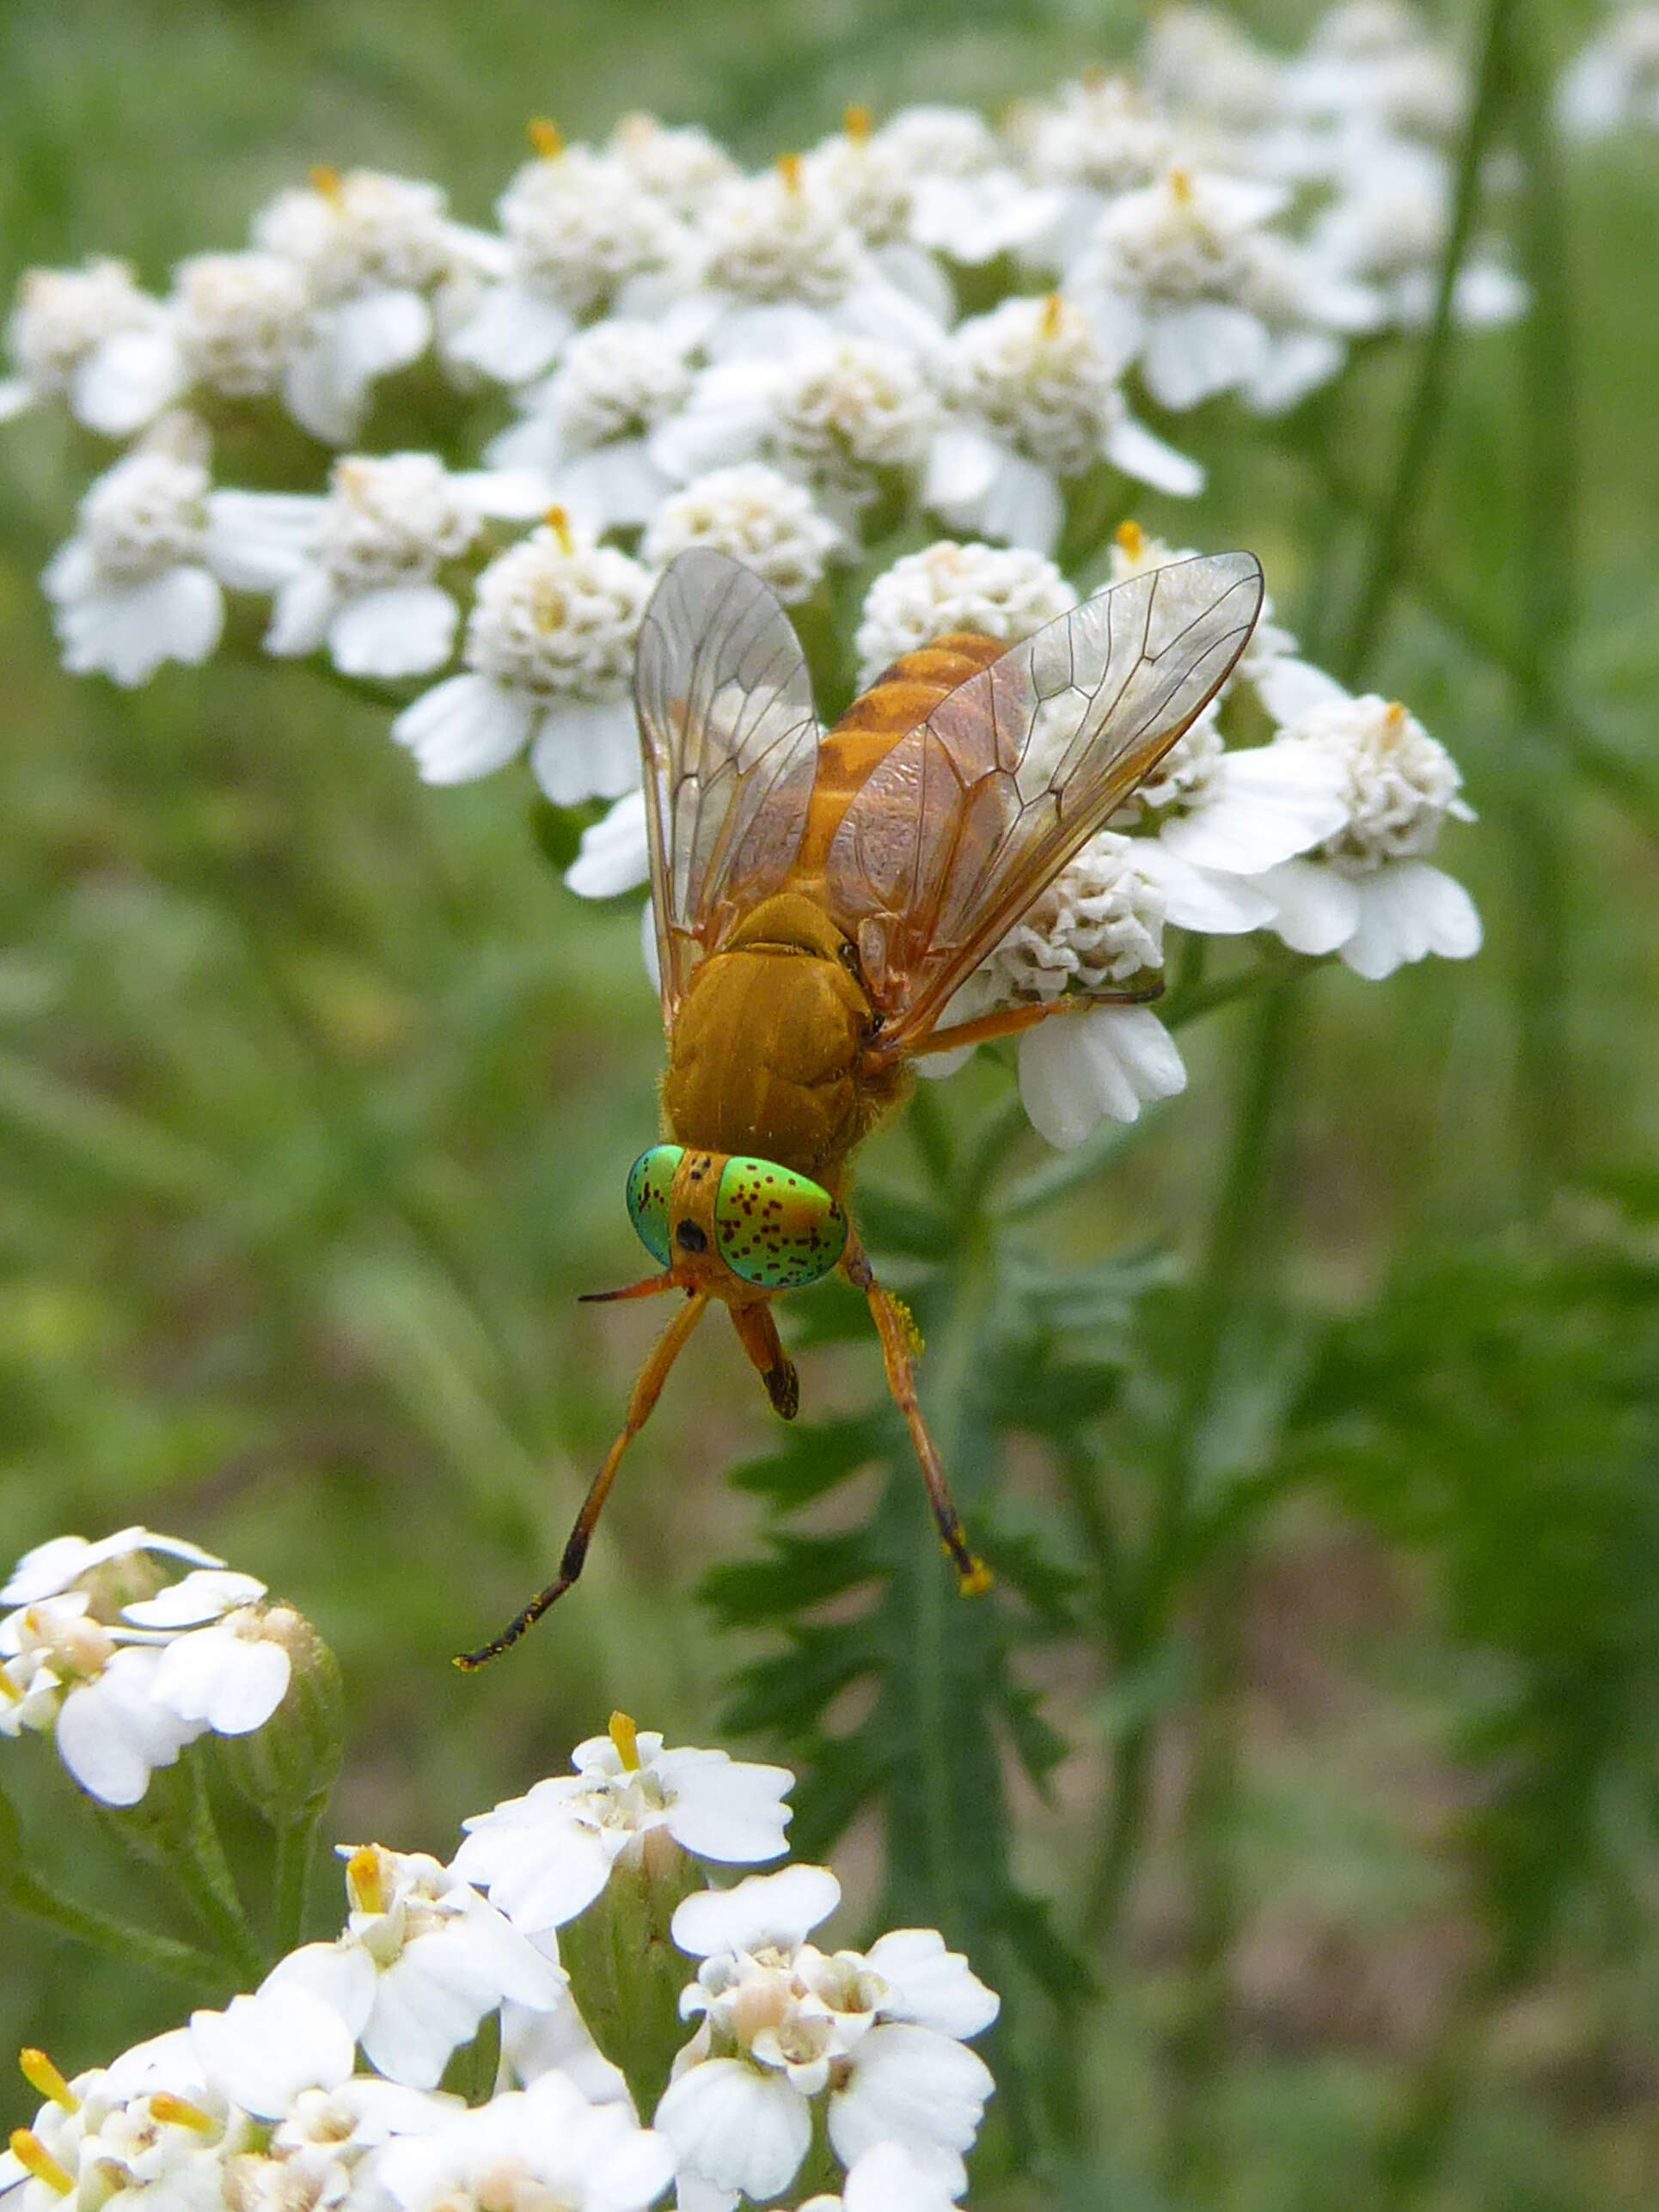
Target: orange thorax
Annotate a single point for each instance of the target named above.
(766, 1057)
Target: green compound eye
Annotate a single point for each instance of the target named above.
(775, 1228)
(649, 1182)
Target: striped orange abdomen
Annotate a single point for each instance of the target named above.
(900, 698)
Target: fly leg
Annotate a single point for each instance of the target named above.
(758, 1335)
(646, 1391)
(1009, 1021)
(898, 1338)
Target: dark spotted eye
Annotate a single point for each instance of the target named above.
(649, 1180)
(775, 1228)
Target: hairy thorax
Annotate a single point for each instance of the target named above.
(767, 1046)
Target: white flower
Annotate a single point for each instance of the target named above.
(356, 571)
(1371, 894)
(779, 266)
(62, 1561)
(1165, 278)
(369, 247)
(1613, 81)
(995, 591)
(1097, 138)
(66, 1670)
(544, 1857)
(423, 1959)
(550, 647)
(681, 166)
(58, 331)
(135, 585)
(230, 1670)
(1387, 227)
(234, 324)
(578, 226)
(757, 515)
(1201, 64)
(1034, 400)
(836, 413)
(876, 2036)
(1368, 63)
(586, 427)
(543, 2147)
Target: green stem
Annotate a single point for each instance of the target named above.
(139, 1946)
(1393, 549)
(297, 1844)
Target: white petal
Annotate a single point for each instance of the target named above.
(1131, 447)
(320, 394)
(127, 631)
(877, 308)
(420, 2017)
(962, 467)
(1408, 909)
(257, 540)
(466, 728)
(52, 1566)
(127, 382)
(16, 393)
(1288, 689)
(1194, 898)
(405, 630)
(232, 1684)
(587, 750)
(763, 1909)
(513, 336)
(1119, 323)
(1194, 351)
(737, 2128)
(613, 487)
(725, 421)
(731, 1811)
(112, 1733)
(554, 2039)
(911, 2087)
(912, 273)
(615, 852)
(262, 2050)
(889, 2179)
(1260, 806)
(341, 1975)
(1317, 908)
(203, 1595)
(515, 495)
(1075, 1069)
(1023, 504)
(932, 1987)
(1296, 365)
(380, 332)
(302, 611)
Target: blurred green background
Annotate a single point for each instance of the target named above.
(318, 1092)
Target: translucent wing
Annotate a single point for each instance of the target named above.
(965, 819)
(730, 744)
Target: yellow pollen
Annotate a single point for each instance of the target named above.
(9, 1689)
(31, 2155)
(857, 121)
(1395, 718)
(546, 138)
(789, 168)
(1180, 186)
(912, 1335)
(1054, 315)
(626, 1737)
(46, 2080)
(179, 2113)
(1131, 540)
(364, 1880)
(329, 182)
(559, 522)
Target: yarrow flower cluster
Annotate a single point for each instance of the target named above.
(123, 1667)
(321, 2086)
(777, 365)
